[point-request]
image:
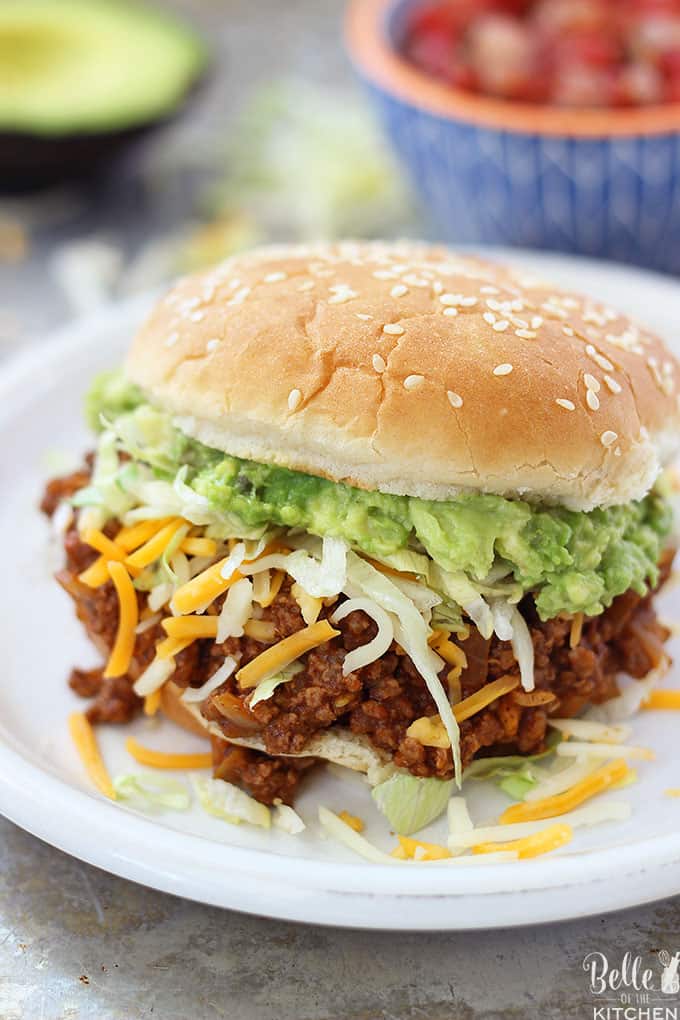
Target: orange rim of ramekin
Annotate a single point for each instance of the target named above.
(378, 62)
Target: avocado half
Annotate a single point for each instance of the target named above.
(79, 79)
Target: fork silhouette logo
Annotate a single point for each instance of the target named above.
(635, 987)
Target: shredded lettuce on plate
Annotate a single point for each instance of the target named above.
(226, 801)
(152, 793)
(410, 803)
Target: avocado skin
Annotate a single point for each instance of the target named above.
(33, 162)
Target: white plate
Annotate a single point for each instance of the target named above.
(306, 878)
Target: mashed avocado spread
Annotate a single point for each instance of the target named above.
(572, 561)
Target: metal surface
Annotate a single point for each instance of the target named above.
(77, 944)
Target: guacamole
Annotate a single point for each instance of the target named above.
(572, 561)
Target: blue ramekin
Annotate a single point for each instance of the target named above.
(604, 183)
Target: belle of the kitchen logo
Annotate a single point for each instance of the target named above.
(631, 989)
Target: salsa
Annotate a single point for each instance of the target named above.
(574, 53)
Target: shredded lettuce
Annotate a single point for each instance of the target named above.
(354, 841)
(411, 631)
(286, 819)
(410, 803)
(504, 765)
(226, 801)
(266, 687)
(151, 792)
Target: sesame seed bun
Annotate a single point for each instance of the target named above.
(408, 369)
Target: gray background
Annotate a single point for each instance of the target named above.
(77, 944)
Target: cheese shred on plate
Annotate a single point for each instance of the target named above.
(164, 759)
(83, 736)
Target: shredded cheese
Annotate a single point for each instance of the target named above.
(131, 537)
(599, 781)
(430, 731)
(543, 842)
(152, 702)
(172, 646)
(416, 850)
(352, 820)
(199, 546)
(191, 626)
(274, 588)
(310, 607)
(282, 654)
(260, 630)
(576, 630)
(108, 548)
(84, 738)
(666, 700)
(96, 575)
(156, 546)
(128, 618)
(480, 699)
(165, 760)
(576, 749)
(450, 652)
(203, 589)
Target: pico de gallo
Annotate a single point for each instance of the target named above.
(573, 53)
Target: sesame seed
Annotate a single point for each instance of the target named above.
(451, 299)
(502, 369)
(294, 398)
(437, 286)
(567, 330)
(568, 405)
(240, 296)
(591, 382)
(612, 384)
(537, 322)
(494, 305)
(488, 289)
(383, 274)
(455, 400)
(197, 316)
(274, 277)
(501, 325)
(379, 363)
(451, 312)
(617, 451)
(341, 293)
(412, 382)
(599, 359)
(399, 290)
(363, 316)
(393, 329)
(212, 345)
(489, 317)
(608, 437)
(306, 285)
(525, 334)
(416, 281)
(468, 302)
(171, 340)
(592, 400)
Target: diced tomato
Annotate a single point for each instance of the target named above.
(570, 52)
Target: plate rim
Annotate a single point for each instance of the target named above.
(57, 803)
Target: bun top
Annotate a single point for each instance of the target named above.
(409, 369)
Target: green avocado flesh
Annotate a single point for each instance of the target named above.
(571, 561)
(69, 66)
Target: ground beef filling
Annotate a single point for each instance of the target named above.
(379, 701)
